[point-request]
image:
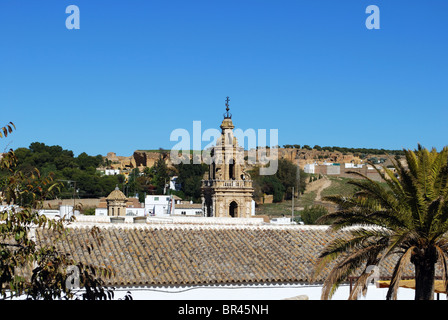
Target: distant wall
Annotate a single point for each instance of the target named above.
(370, 173)
(333, 170)
(268, 198)
(83, 203)
(342, 171)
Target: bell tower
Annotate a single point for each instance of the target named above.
(227, 189)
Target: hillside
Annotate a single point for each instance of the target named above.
(313, 195)
(146, 158)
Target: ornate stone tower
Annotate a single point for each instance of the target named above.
(116, 203)
(227, 189)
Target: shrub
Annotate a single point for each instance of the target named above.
(309, 215)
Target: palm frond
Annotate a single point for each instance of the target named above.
(407, 216)
(397, 274)
(442, 256)
(360, 286)
(349, 264)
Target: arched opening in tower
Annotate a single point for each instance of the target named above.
(231, 171)
(233, 209)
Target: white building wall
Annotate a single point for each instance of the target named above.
(250, 292)
(101, 211)
(158, 205)
(255, 292)
(111, 172)
(188, 212)
(353, 166)
(309, 168)
(137, 212)
(65, 212)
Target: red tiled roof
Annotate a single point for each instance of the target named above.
(159, 255)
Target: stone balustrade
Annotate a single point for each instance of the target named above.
(227, 183)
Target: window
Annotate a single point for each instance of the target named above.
(231, 171)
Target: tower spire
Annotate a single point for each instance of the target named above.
(227, 115)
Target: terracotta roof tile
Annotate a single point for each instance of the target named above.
(116, 195)
(189, 255)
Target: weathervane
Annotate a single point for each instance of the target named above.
(227, 115)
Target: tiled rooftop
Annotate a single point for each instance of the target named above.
(172, 255)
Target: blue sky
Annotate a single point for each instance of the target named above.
(137, 70)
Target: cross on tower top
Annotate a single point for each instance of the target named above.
(227, 115)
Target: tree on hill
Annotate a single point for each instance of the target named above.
(161, 176)
(279, 184)
(190, 177)
(409, 219)
(85, 161)
(309, 215)
(64, 166)
(346, 150)
(49, 276)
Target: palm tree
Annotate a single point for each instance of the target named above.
(407, 216)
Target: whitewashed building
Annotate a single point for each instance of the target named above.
(65, 212)
(188, 209)
(132, 207)
(309, 168)
(111, 172)
(159, 205)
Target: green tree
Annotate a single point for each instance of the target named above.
(160, 175)
(409, 218)
(85, 161)
(19, 252)
(281, 183)
(134, 186)
(287, 175)
(190, 177)
(63, 165)
(273, 185)
(89, 212)
(88, 184)
(310, 215)
(108, 183)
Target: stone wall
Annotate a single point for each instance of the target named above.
(342, 171)
(82, 203)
